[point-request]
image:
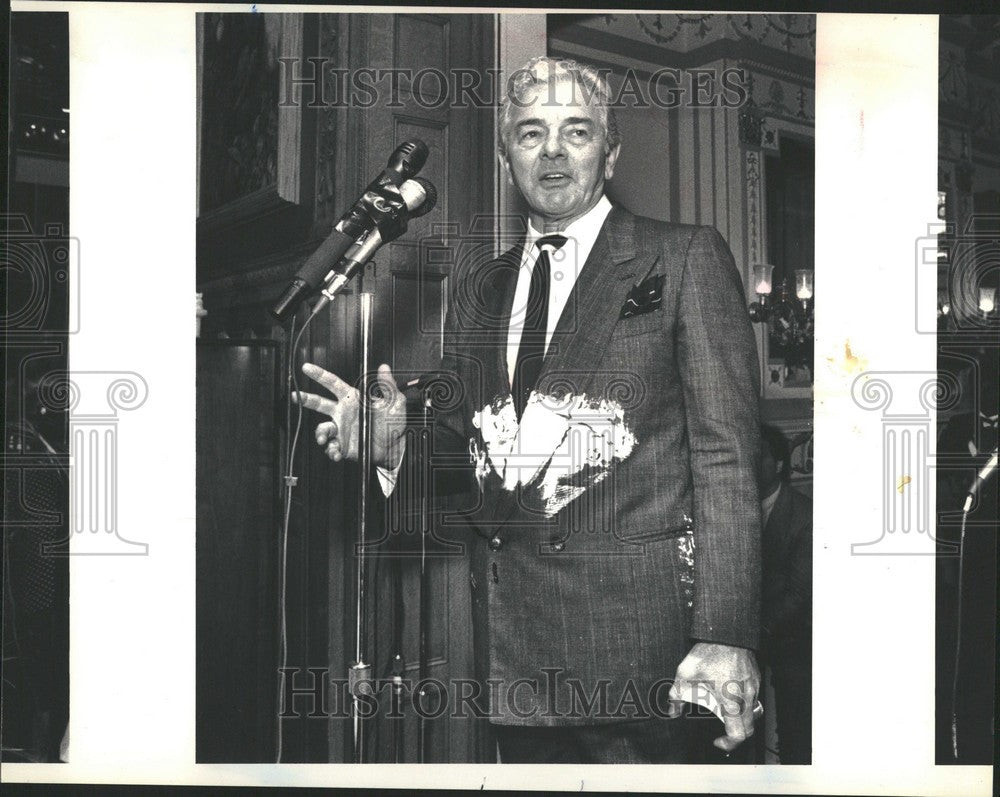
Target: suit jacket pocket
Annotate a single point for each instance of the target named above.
(638, 325)
(678, 527)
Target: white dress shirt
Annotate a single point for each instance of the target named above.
(565, 266)
(767, 505)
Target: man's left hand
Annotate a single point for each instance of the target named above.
(730, 674)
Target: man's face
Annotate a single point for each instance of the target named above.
(556, 152)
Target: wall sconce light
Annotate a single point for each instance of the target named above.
(761, 309)
(790, 323)
(987, 300)
(804, 286)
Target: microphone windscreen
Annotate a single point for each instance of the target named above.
(413, 194)
(430, 197)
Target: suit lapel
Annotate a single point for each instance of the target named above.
(592, 310)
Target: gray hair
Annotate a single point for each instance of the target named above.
(542, 70)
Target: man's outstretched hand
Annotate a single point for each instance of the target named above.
(730, 673)
(339, 435)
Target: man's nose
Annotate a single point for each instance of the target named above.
(553, 147)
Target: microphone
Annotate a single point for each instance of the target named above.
(419, 198)
(373, 209)
(405, 162)
(985, 472)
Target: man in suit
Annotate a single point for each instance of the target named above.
(786, 644)
(609, 408)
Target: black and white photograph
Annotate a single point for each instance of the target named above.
(571, 523)
(433, 398)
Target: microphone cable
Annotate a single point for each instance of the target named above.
(977, 484)
(958, 639)
(290, 481)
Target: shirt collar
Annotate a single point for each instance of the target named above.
(767, 504)
(582, 232)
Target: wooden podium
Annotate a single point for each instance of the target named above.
(238, 550)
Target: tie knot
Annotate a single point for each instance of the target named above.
(555, 241)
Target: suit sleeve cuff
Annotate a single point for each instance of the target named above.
(387, 477)
(736, 637)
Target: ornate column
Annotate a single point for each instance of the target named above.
(908, 402)
(94, 399)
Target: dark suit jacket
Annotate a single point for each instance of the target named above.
(663, 548)
(787, 581)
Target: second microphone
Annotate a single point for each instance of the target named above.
(419, 196)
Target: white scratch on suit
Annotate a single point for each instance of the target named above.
(685, 550)
(562, 446)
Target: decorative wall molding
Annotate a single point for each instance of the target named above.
(664, 28)
(755, 207)
(789, 33)
(751, 122)
(686, 41)
(787, 97)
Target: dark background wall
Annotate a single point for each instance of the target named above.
(33, 247)
(968, 360)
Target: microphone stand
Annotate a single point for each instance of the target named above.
(360, 671)
(390, 222)
(425, 527)
(397, 667)
(386, 210)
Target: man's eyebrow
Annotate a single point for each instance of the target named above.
(572, 120)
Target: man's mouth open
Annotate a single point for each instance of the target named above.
(554, 179)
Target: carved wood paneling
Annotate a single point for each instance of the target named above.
(256, 152)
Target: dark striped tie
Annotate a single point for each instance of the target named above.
(531, 351)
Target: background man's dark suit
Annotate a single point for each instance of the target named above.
(624, 601)
(786, 644)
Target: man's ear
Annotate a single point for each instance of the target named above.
(610, 160)
(506, 165)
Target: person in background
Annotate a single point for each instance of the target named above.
(786, 611)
